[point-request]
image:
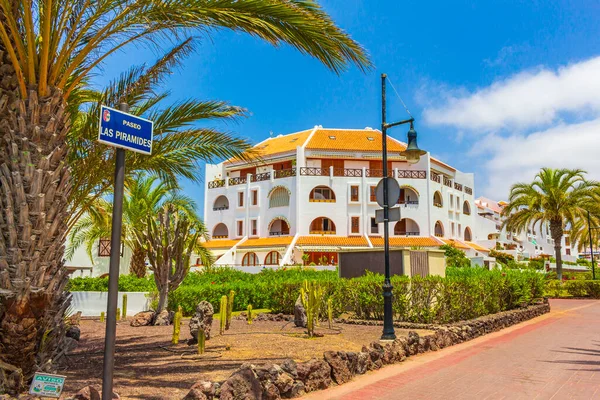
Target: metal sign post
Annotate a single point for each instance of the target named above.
(124, 131)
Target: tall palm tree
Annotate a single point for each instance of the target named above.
(179, 142)
(51, 48)
(559, 197)
(144, 197)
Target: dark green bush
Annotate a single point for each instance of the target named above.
(127, 283)
(501, 257)
(464, 293)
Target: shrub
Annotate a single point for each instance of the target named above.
(127, 283)
(501, 257)
(455, 258)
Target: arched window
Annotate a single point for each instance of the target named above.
(323, 226)
(322, 194)
(406, 227)
(468, 236)
(250, 260)
(408, 195)
(437, 199)
(466, 208)
(220, 231)
(221, 203)
(439, 229)
(272, 258)
(279, 197)
(279, 227)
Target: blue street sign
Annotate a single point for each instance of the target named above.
(120, 129)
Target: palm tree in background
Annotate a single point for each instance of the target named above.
(559, 197)
(48, 49)
(144, 197)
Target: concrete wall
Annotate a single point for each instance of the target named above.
(91, 304)
(96, 266)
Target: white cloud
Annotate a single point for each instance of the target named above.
(517, 158)
(523, 101)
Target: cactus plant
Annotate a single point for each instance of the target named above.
(311, 296)
(201, 341)
(102, 316)
(249, 312)
(223, 314)
(229, 309)
(330, 312)
(124, 314)
(176, 326)
(118, 314)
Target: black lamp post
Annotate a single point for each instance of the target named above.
(412, 154)
(591, 247)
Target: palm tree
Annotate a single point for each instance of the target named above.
(49, 48)
(559, 197)
(179, 143)
(144, 197)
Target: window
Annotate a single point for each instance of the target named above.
(221, 203)
(254, 197)
(466, 208)
(355, 225)
(250, 260)
(374, 225)
(279, 197)
(451, 201)
(272, 258)
(322, 193)
(253, 227)
(240, 228)
(452, 228)
(240, 199)
(567, 241)
(372, 194)
(468, 236)
(353, 193)
(322, 225)
(568, 252)
(437, 199)
(220, 231)
(439, 229)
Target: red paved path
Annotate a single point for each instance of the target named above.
(555, 356)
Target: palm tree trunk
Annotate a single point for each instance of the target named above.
(556, 232)
(137, 265)
(34, 187)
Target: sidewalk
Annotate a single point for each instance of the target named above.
(555, 356)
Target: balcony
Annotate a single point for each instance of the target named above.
(264, 176)
(458, 186)
(412, 174)
(284, 173)
(468, 190)
(436, 178)
(237, 181)
(216, 183)
(448, 182)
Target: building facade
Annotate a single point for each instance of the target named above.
(534, 242)
(312, 195)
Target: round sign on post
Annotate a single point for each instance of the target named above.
(393, 192)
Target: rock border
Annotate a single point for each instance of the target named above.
(291, 379)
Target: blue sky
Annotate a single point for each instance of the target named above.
(497, 88)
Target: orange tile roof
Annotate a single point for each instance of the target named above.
(351, 140)
(407, 241)
(335, 241)
(267, 242)
(477, 247)
(282, 144)
(220, 243)
(457, 243)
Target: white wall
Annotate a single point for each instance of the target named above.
(99, 264)
(91, 304)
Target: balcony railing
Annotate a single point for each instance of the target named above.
(238, 180)
(437, 204)
(264, 176)
(279, 233)
(378, 173)
(285, 173)
(410, 174)
(220, 208)
(216, 183)
(468, 190)
(437, 234)
(458, 186)
(448, 182)
(406, 233)
(350, 172)
(313, 171)
(436, 178)
(220, 236)
(322, 232)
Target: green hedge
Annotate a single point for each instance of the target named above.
(127, 283)
(464, 293)
(573, 288)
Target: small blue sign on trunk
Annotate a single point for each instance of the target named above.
(120, 129)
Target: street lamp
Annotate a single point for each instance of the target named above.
(412, 154)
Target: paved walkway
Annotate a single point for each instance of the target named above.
(555, 356)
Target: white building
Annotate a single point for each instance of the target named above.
(534, 242)
(313, 194)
